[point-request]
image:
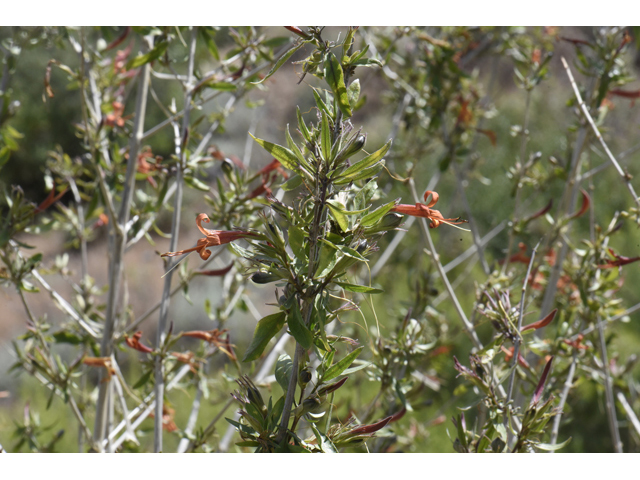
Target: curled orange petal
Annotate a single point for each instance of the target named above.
(434, 198)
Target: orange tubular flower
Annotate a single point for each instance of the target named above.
(212, 239)
(134, 342)
(421, 210)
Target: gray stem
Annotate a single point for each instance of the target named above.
(117, 243)
(175, 229)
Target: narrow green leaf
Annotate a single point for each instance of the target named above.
(197, 184)
(248, 443)
(5, 153)
(349, 371)
(348, 41)
(302, 126)
(284, 366)
(294, 148)
(296, 241)
(67, 337)
(342, 209)
(325, 134)
(334, 76)
(547, 447)
(224, 86)
(328, 260)
(285, 156)
(281, 61)
(143, 379)
(337, 369)
(367, 161)
(375, 216)
(211, 45)
(323, 107)
(154, 54)
(339, 217)
(366, 173)
(266, 329)
(358, 288)
(294, 182)
(366, 193)
(298, 329)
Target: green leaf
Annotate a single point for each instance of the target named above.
(366, 173)
(154, 54)
(302, 126)
(240, 251)
(296, 241)
(285, 156)
(248, 443)
(339, 217)
(367, 62)
(364, 196)
(366, 162)
(547, 447)
(294, 182)
(67, 337)
(348, 41)
(5, 153)
(337, 369)
(320, 103)
(281, 61)
(197, 184)
(358, 288)
(294, 148)
(325, 134)
(284, 366)
(349, 371)
(224, 86)
(298, 329)
(211, 45)
(143, 379)
(375, 216)
(353, 92)
(334, 76)
(328, 259)
(266, 329)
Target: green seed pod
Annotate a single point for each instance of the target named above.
(264, 277)
(353, 146)
(304, 378)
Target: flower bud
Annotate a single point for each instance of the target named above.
(390, 221)
(227, 166)
(304, 378)
(353, 146)
(262, 278)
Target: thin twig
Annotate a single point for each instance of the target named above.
(590, 329)
(425, 229)
(145, 407)
(117, 243)
(519, 174)
(629, 411)
(206, 99)
(563, 399)
(608, 389)
(625, 176)
(181, 145)
(475, 235)
(518, 339)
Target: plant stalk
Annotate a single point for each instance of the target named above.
(181, 144)
(117, 243)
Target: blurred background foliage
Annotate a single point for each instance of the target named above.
(455, 100)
